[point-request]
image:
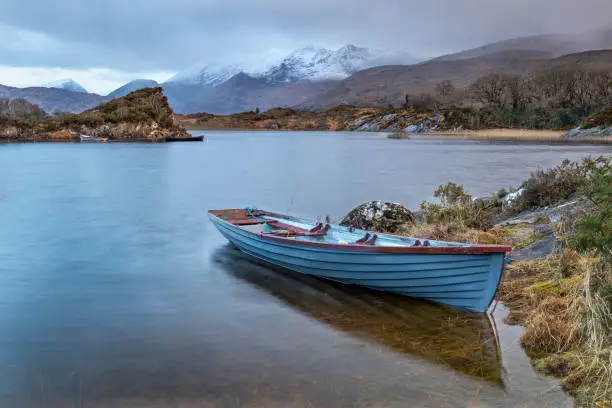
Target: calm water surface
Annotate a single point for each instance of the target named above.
(115, 291)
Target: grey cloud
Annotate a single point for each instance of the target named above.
(172, 34)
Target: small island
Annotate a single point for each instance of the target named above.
(141, 116)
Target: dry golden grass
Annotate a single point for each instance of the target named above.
(564, 322)
(60, 135)
(519, 135)
(454, 232)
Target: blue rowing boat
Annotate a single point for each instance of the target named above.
(465, 276)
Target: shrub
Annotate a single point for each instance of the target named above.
(456, 207)
(602, 118)
(452, 194)
(547, 187)
(594, 231)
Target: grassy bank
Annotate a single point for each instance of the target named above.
(529, 135)
(505, 135)
(562, 296)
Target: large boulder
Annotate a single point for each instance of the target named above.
(379, 216)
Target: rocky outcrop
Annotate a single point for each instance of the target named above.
(537, 233)
(20, 108)
(379, 216)
(598, 125)
(595, 132)
(142, 116)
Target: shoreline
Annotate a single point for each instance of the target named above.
(520, 135)
(501, 135)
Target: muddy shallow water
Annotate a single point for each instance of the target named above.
(115, 291)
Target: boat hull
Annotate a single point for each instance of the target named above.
(466, 281)
(184, 139)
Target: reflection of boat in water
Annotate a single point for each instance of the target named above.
(463, 341)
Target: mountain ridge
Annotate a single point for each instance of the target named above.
(132, 86)
(318, 78)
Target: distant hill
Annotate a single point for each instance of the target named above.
(133, 86)
(544, 46)
(319, 78)
(303, 73)
(389, 84)
(67, 84)
(301, 82)
(53, 100)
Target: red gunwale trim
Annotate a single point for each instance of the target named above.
(450, 250)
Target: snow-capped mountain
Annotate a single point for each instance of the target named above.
(320, 63)
(309, 63)
(67, 84)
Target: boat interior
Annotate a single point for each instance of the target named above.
(278, 225)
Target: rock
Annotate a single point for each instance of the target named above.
(482, 202)
(413, 129)
(566, 216)
(389, 117)
(539, 249)
(374, 127)
(572, 133)
(510, 198)
(379, 216)
(579, 132)
(391, 128)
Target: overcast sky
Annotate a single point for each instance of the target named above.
(104, 43)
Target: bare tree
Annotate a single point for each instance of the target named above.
(445, 90)
(490, 90)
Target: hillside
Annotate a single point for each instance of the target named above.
(389, 84)
(53, 100)
(319, 78)
(302, 74)
(339, 118)
(142, 115)
(548, 46)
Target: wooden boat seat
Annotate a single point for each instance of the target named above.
(364, 239)
(287, 230)
(367, 239)
(372, 240)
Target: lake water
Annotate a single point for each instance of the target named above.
(116, 291)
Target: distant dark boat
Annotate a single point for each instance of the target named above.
(93, 139)
(184, 139)
(464, 276)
